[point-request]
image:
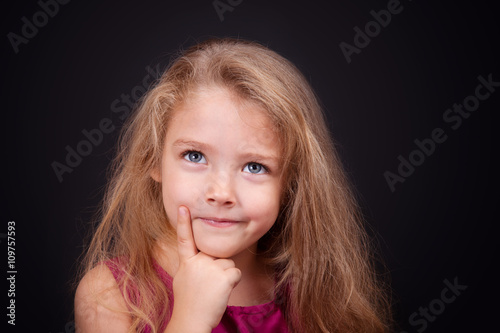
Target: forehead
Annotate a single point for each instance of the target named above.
(215, 114)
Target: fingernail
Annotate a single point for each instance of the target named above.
(182, 211)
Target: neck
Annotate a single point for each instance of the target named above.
(256, 284)
(248, 261)
(257, 281)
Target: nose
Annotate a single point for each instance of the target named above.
(219, 191)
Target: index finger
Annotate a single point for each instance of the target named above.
(185, 240)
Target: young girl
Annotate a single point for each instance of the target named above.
(228, 209)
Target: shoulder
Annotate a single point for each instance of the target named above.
(99, 304)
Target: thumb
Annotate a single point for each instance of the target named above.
(185, 240)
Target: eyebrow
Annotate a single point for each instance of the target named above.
(192, 144)
(196, 145)
(268, 159)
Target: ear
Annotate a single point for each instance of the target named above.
(156, 174)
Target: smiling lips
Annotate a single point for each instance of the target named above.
(219, 223)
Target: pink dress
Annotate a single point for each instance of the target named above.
(262, 318)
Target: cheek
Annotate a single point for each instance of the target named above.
(179, 190)
(263, 206)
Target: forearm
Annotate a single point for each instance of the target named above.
(188, 324)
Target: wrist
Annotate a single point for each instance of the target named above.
(182, 323)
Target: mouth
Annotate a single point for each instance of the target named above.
(219, 222)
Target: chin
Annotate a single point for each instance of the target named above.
(221, 252)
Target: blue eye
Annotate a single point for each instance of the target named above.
(194, 156)
(254, 168)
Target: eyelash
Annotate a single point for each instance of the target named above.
(187, 152)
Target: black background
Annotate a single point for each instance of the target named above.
(439, 224)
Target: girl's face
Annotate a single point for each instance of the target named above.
(221, 160)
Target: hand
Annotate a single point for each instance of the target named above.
(202, 284)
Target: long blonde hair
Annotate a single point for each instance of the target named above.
(318, 247)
